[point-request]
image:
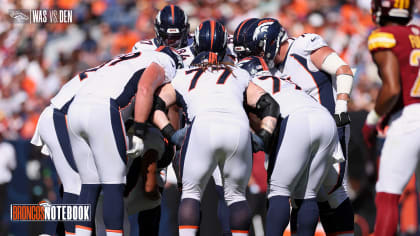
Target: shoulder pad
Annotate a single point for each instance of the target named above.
(381, 40)
(310, 42)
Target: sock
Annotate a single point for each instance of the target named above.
(338, 221)
(223, 211)
(113, 208)
(51, 227)
(307, 217)
(240, 218)
(278, 215)
(189, 217)
(83, 230)
(386, 213)
(148, 221)
(113, 232)
(88, 195)
(69, 198)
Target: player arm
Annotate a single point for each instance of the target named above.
(390, 91)
(266, 108)
(326, 59)
(150, 80)
(166, 97)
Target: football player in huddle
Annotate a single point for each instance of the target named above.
(308, 62)
(212, 94)
(96, 119)
(171, 28)
(52, 134)
(295, 172)
(395, 48)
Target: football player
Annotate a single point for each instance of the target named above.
(219, 135)
(295, 172)
(395, 48)
(312, 65)
(171, 29)
(96, 123)
(51, 133)
(211, 36)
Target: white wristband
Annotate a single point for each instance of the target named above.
(340, 106)
(372, 118)
(344, 83)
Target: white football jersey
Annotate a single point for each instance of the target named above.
(145, 45)
(286, 94)
(212, 91)
(118, 78)
(67, 92)
(151, 44)
(299, 68)
(186, 54)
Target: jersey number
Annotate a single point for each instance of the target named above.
(199, 71)
(415, 61)
(83, 75)
(276, 82)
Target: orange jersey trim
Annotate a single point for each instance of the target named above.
(188, 227)
(114, 230)
(240, 231)
(83, 227)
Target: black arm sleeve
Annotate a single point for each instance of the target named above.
(267, 106)
(159, 104)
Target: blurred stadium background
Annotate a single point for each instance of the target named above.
(36, 59)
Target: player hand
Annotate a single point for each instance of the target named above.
(265, 136)
(342, 119)
(341, 116)
(137, 147)
(178, 137)
(257, 143)
(369, 134)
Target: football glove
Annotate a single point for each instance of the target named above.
(342, 119)
(136, 147)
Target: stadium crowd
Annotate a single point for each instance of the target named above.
(36, 59)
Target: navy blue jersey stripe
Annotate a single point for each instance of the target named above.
(117, 128)
(181, 103)
(324, 84)
(184, 151)
(61, 131)
(340, 178)
(279, 135)
(130, 89)
(66, 106)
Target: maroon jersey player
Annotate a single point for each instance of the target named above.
(395, 48)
